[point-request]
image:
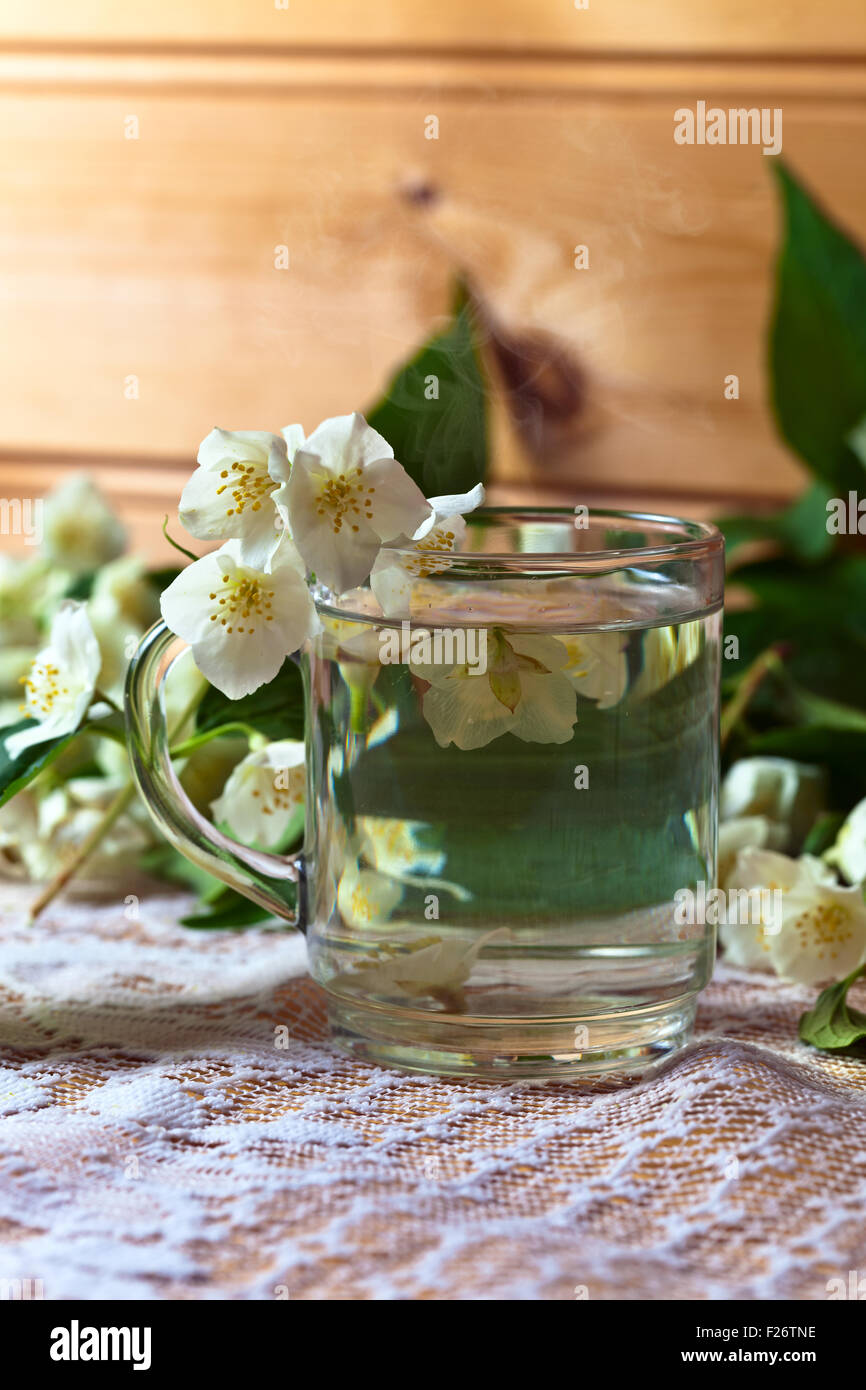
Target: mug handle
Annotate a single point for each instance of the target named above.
(252, 872)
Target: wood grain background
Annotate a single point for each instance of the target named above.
(259, 127)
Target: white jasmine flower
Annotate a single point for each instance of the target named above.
(784, 791)
(262, 802)
(41, 831)
(395, 571)
(820, 935)
(62, 680)
(81, 532)
(524, 691)
(231, 493)
(29, 590)
(240, 620)
(345, 496)
(124, 589)
(848, 854)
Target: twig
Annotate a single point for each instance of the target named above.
(84, 851)
(752, 678)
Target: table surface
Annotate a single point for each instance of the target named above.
(174, 1123)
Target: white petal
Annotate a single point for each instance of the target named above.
(746, 945)
(74, 642)
(237, 649)
(366, 898)
(347, 441)
(220, 445)
(391, 583)
(294, 437)
(746, 832)
(848, 854)
(822, 936)
(547, 709)
(339, 558)
(451, 504)
(400, 506)
(215, 506)
(464, 711)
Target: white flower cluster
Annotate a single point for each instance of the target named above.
(336, 505)
(767, 806)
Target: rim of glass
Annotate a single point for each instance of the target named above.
(699, 537)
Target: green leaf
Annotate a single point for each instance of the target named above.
(275, 710)
(441, 442)
(831, 714)
(161, 578)
(81, 587)
(800, 529)
(818, 337)
(165, 862)
(831, 1025)
(226, 910)
(823, 833)
(15, 773)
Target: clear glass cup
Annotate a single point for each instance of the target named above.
(507, 791)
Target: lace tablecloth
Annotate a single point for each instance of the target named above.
(175, 1124)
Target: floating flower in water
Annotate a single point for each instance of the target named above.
(62, 680)
(262, 803)
(597, 665)
(396, 570)
(523, 691)
(241, 621)
(231, 493)
(346, 495)
(437, 966)
(820, 934)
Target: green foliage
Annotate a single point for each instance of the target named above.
(275, 710)
(832, 1025)
(228, 910)
(800, 530)
(818, 338)
(808, 592)
(15, 773)
(441, 439)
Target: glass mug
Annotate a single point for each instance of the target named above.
(510, 797)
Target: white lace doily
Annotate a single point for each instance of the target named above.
(157, 1141)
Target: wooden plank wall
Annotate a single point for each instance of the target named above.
(141, 302)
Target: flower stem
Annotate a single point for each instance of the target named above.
(752, 678)
(357, 709)
(84, 851)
